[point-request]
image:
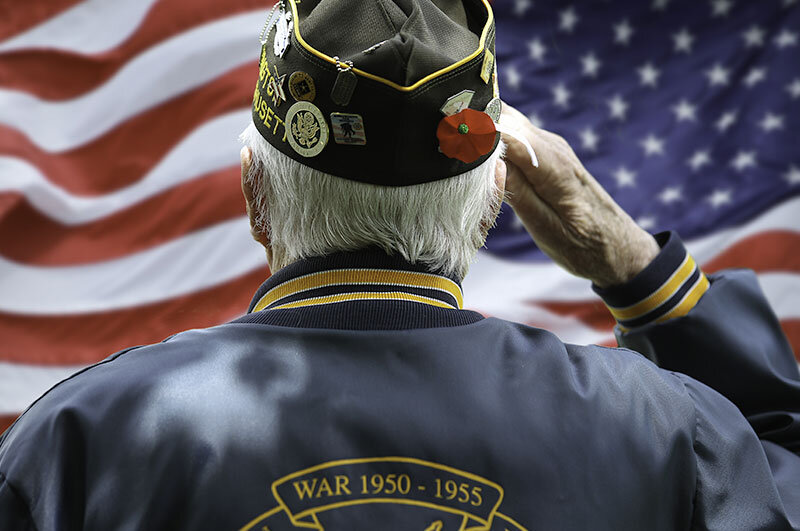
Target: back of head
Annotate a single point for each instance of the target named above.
(382, 135)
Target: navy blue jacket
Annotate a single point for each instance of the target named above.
(357, 394)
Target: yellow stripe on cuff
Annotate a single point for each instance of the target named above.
(689, 300)
(344, 297)
(658, 297)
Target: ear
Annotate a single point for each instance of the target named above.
(260, 235)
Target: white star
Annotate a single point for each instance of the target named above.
(521, 6)
(685, 111)
(537, 50)
(513, 76)
(624, 177)
(771, 122)
(786, 38)
(646, 222)
(787, 3)
(590, 64)
(618, 107)
(652, 145)
(535, 120)
(726, 120)
(568, 19)
(660, 5)
(718, 75)
(699, 159)
(754, 37)
(648, 75)
(683, 41)
(561, 95)
(744, 160)
(794, 88)
(754, 76)
(719, 198)
(670, 195)
(623, 32)
(589, 139)
(721, 8)
(792, 176)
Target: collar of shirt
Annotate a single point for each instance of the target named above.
(359, 290)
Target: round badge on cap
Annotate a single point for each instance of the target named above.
(307, 129)
(494, 108)
(301, 86)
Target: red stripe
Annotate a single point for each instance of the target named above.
(19, 16)
(191, 206)
(6, 421)
(592, 313)
(770, 251)
(791, 327)
(88, 338)
(126, 153)
(59, 75)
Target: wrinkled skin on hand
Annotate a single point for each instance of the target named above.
(566, 211)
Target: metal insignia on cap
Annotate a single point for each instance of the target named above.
(301, 86)
(307, 130)
(459, 102)
(348, 129)
(488, 66)
(275, 88)
(493, 109)
(283, 34)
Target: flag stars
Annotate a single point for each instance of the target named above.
(718, 75)
(591, 65)
(685, 111)
(755, 76)
(589, 139)
(726, 120)
(537, 50)
(522, 6)
(648, 75)
(699, 159)
(623, 32)
(535, 120)
(618, 107)
(771, 122)
(721, 8)
(792, 176)
(561, 96)
(660, 5)
(794, 88)
(786, 38)
(652, 145)
(568, 18)
(513, 76)
(744, 160)
(754, 37)
(683, 41)
(719, 198)
(624, 177)
(670, 195)
(646, 222)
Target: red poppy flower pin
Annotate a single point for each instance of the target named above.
(467, 135)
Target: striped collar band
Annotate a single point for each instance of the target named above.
(366, 275)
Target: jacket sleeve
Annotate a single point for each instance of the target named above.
(14, 513)
(724, 340)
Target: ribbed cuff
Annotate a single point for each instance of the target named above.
(668, 287)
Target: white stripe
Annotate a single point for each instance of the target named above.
(21, 384)
(173, 67)
(90, 27)
(208, 148)
(185, 265)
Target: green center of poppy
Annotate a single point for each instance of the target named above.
(463, 129)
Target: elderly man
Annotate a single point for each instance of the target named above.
(358, 394)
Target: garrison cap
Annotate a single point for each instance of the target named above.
(388, 92)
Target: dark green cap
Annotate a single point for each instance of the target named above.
(358, 88)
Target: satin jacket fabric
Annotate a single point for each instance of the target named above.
(329, 417)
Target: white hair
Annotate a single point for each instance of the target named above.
(306, 212)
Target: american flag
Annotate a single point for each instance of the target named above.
(121, 218)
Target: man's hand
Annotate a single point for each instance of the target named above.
(567, 212)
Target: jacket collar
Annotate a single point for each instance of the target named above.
(365, 289)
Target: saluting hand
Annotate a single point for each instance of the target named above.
(566, 211)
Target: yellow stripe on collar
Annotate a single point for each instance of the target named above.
(385, 277)
(365, 296)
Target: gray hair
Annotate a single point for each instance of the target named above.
(306, 212)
